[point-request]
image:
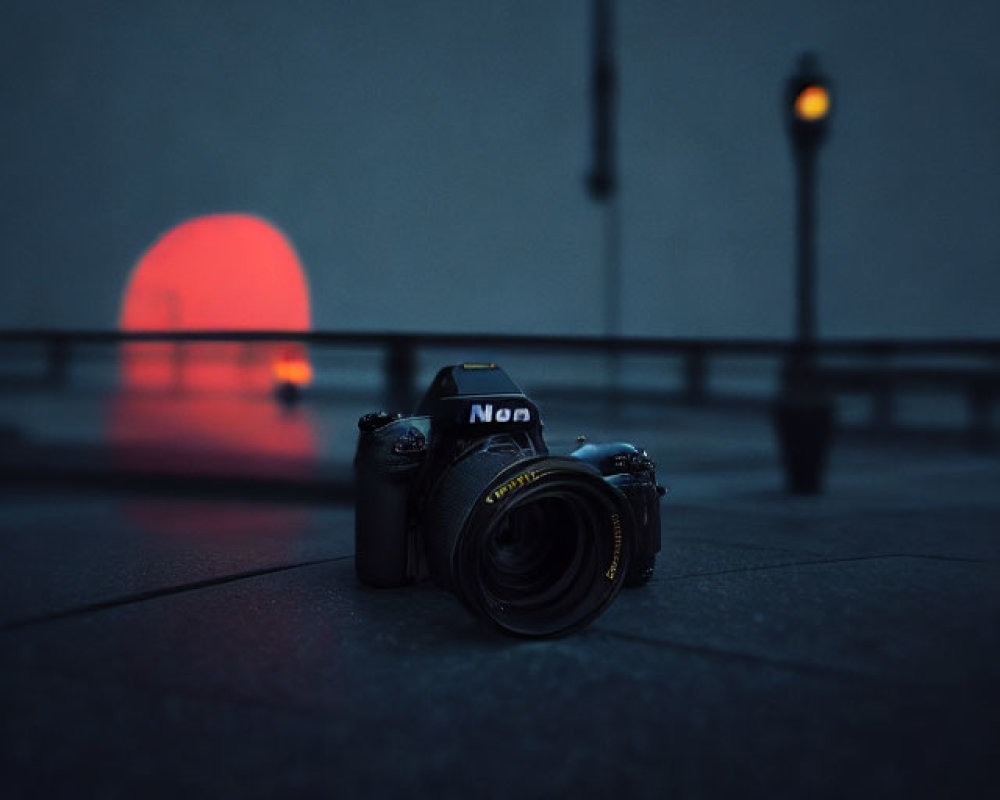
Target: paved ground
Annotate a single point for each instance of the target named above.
(840, 646)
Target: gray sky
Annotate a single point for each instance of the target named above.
(427, 159)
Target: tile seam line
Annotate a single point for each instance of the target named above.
(155, 594)
(762, 567)
(149, 687)
(791, 665)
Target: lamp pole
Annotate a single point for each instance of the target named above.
(602, 177)
(804, 412)
(807, 109)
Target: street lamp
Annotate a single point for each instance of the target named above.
(807, 110)
(803, 412)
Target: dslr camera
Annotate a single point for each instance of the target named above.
(466, 492)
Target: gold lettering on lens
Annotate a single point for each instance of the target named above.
(616, 529)
(522, 480)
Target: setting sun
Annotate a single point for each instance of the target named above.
(218, 272)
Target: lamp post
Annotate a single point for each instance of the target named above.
(602, 179)
(803, 412)
(807, 109)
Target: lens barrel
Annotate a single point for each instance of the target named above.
(540, 546)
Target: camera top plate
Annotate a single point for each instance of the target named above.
(466, 380)
(479, 398)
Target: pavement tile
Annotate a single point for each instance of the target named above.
(835, 646)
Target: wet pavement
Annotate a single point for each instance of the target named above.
(189, 642)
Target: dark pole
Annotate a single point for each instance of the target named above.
(602, 178)
(805, 226)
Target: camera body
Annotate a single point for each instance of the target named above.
(466, 492)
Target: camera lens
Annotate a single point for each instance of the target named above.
(532, 553)
(540, 547)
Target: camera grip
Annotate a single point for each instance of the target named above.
(381, 552)
(384, 473)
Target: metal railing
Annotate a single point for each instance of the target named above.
(879, 368)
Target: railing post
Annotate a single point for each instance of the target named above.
(58, 360)
(883, 401)
(980, 403)
(400, 366)
(695, 374)
(883, 391)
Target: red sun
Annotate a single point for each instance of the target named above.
(218, 272)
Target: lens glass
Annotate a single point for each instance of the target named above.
(547, 562)
(533, 552)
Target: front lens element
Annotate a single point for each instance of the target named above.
(534, 552)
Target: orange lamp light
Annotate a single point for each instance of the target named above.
(812, 103)
(295, 371)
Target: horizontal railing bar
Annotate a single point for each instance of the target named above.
(625, 344)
